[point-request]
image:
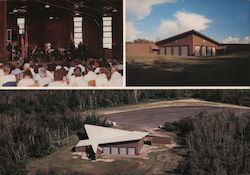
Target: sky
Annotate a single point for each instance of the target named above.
(226, 21)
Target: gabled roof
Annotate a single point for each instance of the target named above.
(102, 135)
(183, 35)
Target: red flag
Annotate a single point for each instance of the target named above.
(23, 47)
(26, 42)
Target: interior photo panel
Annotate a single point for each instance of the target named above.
(61, 44)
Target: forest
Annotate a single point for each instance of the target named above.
(35, 123)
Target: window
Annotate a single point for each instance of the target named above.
(107, 32)
(21, 25)
(77, 30)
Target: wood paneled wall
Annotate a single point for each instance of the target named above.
(3, 30)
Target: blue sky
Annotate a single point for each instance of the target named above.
(223, 20)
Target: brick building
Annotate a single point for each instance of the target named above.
(109, 141)
(191, 43)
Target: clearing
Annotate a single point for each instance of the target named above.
(227, 70)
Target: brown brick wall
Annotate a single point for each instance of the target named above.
(191, 41)
(80, 149)
(187, 41)
(134, 49)
(159, 140)
(198, 41)
(133, 144)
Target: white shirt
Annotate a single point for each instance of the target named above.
(101, 80)
(116, 80)
(58, 84)
(26, 82)
(1, 73)
(7, 78)
(90, 76)
(71, 71)
(42, 81)
(77, 81)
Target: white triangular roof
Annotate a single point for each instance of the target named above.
(104, 135)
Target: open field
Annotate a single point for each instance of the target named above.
(151, 118)
(189, 71)
(166, 103)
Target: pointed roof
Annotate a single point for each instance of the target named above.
(103, 135)
(182, 35)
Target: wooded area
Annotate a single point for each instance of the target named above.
(34, 123)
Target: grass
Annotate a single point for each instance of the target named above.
(227, 70)
(61, 160)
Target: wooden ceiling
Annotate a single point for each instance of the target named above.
(58, 8)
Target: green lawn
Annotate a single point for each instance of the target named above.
(62, 161)
(191, 71)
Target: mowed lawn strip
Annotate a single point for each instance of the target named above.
(190, 71)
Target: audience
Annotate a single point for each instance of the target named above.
(60, 78)
(27, 80)
(7, 79)
(76, 80)
(74, 73)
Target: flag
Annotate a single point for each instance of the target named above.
(26, 42)
(23, 47)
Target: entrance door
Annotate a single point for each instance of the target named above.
(204, 51)
(131, 151)
(168, 51)
(209, 51)
(176, 51)
(123, 151)
(184, 51)
(197, 51)
(213, 51)
(162, 50)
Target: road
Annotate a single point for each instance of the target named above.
(151, 118)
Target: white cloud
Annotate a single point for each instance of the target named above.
(237, 40)
(182, 22)
(138, 9)
(131, 31)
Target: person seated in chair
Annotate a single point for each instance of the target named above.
(90, 77)
(27, 80)
(7, 79)
(76, 80)
(60, 78)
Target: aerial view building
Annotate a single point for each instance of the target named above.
(109, 141)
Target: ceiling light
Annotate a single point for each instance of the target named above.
(77, 13)
(114, 10)
(51, 17)
(15, 10)
(47, 6)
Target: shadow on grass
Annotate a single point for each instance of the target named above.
(216, 72)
